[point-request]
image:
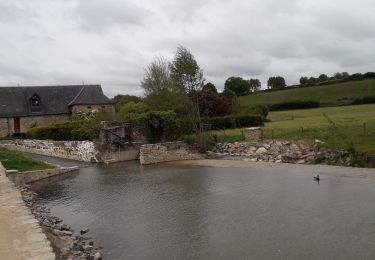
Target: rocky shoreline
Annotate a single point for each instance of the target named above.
(297, 152)
(65, 243)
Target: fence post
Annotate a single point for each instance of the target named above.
(272, 134)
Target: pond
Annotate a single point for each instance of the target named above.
(191, 212)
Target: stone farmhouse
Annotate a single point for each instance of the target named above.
(25, 107)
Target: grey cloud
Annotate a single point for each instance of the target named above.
(111, 42)
(98, 15)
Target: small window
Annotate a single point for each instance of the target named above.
(103, 107)
(35, 101)
(88, 107)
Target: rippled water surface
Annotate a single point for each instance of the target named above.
(183, 212)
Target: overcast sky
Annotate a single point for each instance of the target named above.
(110, 42)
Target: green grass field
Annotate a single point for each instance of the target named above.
(354, 124)
(329, 95)
(13, 160)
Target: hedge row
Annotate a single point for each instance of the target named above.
(294, 105)
(57, 132)
(226, 122)
(364, 100)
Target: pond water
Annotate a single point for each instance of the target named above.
(186, 212)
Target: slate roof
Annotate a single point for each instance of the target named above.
(54, 100)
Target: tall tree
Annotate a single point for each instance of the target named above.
(157, 77)
(238, 85)
(276, 82)
(255, 84)
(209, 87)
(303, 80)
(185, 71)
(323, 78)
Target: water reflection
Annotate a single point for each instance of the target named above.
(169, 212)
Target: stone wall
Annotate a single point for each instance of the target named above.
(6, 127)
(108, 108)
(253, 134)
(166, 152)
(20, 178)
(73, 150)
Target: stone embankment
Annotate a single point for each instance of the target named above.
(274, 151)
(167, 152)
(21, 178)
(21, 236)
(65, 242)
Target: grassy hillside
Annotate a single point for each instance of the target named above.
(329, 95)
(311, 124)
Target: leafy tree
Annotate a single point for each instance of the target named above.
(125, 112)
(338, 75)
(356, 76)
(369, 75)
(303, 80)
(209, 87)
(238, 85)
(323, 78)
(312, 80)
(345, 75)
(255, 85)
(157, 77)
(185, 71)
(230, 96)
(276, 82)
(124, 99)
(158, 126)
(212, 104)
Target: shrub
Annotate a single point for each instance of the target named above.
(57, 132)
(79, 129)
(158, 126)
(226, 122)
(294, 105)
(257, 110)
(368, 75)
(212, 104)
(364, 100)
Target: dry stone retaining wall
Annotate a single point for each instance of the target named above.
(166, 152)
(74, 150)
(253, 134)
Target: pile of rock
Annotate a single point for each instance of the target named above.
(61, 236)
(273, 151)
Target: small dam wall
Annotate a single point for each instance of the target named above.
(20, 178)
(166, 152)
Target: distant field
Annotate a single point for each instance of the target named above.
(311, 124)
(329, 95)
